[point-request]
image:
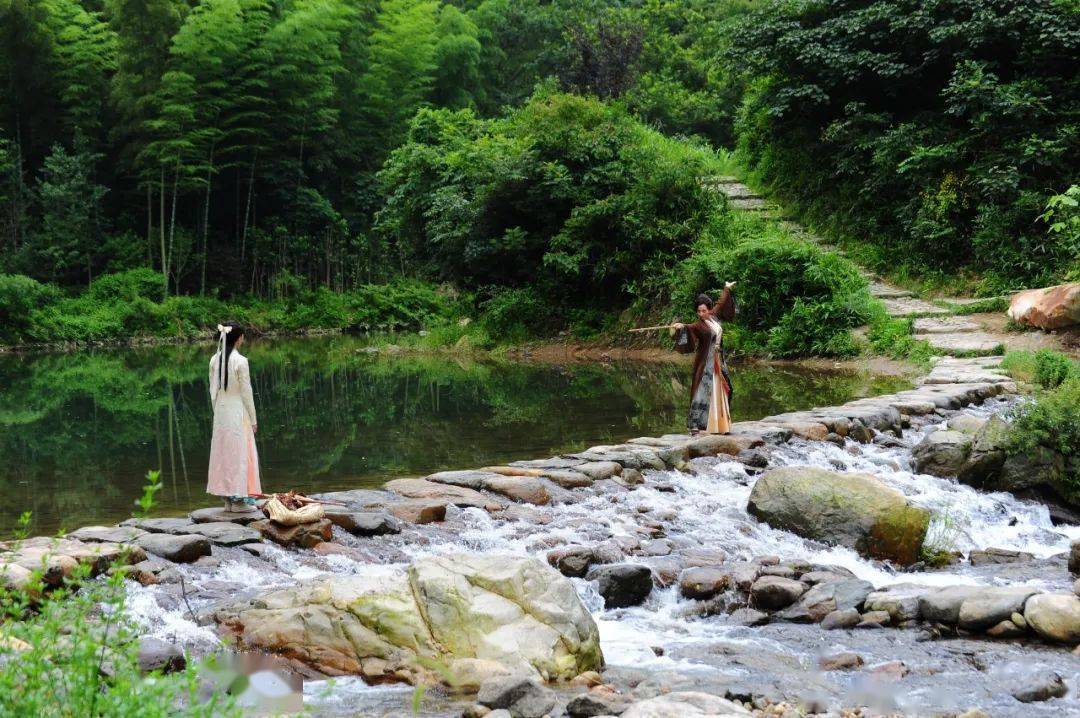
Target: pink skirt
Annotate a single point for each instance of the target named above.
(234, 460)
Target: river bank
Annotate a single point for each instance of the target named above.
(683, 588)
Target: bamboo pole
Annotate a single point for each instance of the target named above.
(650, 329)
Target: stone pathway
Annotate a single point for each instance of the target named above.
(934, 323)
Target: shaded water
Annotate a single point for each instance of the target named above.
(79, 431)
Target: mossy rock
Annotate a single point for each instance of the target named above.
(844, 509)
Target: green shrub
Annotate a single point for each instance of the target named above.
(514, 314)
(1052, 420)
(905, 125)
(1052, 368)
(1045, 367)
(892, 337)
(568, 196)
(128, 286)
(20, 296)
(56, 644)
(815, 328)
(794, 299)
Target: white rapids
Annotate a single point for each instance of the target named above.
(706, 509)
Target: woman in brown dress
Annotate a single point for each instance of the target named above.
(710, 393)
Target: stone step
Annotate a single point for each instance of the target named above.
(720, 179)
(749, 203)
(911, 307)
(887, 291)
(965, 342)
(738, 191)
(945, 325)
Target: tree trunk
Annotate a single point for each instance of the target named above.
(172, 217)
(161, 227)
(17, 213)
(206, 221)
(149, 224)
(247, 209)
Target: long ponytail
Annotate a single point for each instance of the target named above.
(228, 334)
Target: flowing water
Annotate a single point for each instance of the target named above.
(667, 641)
(79, 431)
(335, 417)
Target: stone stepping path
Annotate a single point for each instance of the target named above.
(906, 307)
(945, 325)
(887, 291)
(934, 323)
(966, 342)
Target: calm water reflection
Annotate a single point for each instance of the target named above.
(79, 431)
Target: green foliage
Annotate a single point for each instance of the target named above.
(129, 286)
(1052, 369)
(1062, 217)
(939, 548)
(1052, 421)
(73, 651)
(515, 314)
(799, 300)
(19, 297)
(66, 244)
(1045, 367)
(132, 305)
(932, 130)
(892, 337)
(996, 305)
(568, 195)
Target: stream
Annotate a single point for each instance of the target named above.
(668, 642)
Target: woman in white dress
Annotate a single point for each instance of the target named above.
(234, 462)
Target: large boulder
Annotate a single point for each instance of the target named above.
(472, 614)
(1049, 308)
(943, 605)
(775, 592)
(987, 455)
(1054, 616)
(992, 605)
(179, 548)
(1038, 468)
(853, 510)
(942, 453)
(522, 695)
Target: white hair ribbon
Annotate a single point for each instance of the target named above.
(223, 330)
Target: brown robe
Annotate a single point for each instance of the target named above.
(701, 340)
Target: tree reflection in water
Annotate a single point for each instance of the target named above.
(79, 431)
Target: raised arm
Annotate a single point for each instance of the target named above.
(724, 309)
(244, 376)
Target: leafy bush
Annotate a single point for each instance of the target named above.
(56, 644)
(931, 129)
(128, 286)
(566, 195)
(19, 297)
(514, 313)
(1045, 367)
(1052, 420)
(794, 299)
(1052, 368)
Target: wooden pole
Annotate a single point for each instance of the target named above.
(650, 329)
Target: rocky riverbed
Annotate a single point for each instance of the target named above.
(783, 568)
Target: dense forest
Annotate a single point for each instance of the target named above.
(541, 161)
